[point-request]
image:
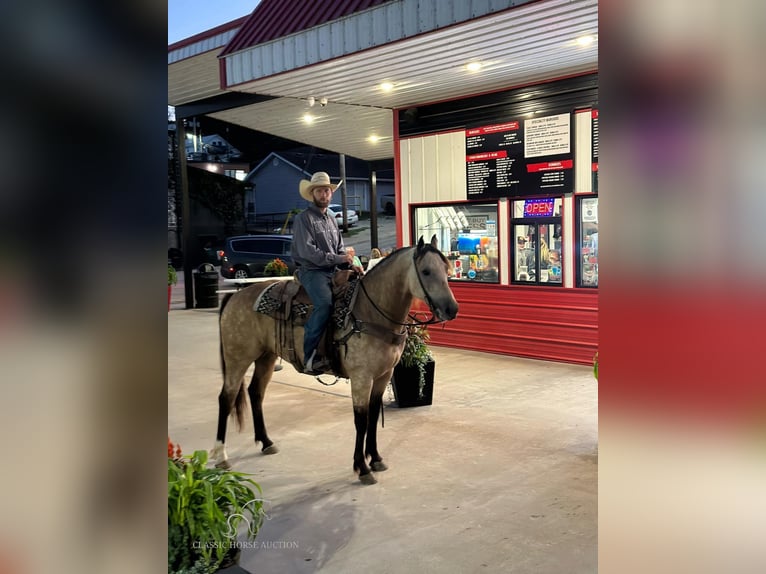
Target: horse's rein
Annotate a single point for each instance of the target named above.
(413, 320)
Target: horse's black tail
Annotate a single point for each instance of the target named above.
(239, 406)
(241, 401)
(220, 339)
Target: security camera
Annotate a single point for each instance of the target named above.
(323, 102)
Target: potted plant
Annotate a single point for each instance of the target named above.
(275, 267)
(205, 508)
(413, 379)
(172, 280)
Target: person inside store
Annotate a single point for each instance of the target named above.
(318, 250)
(352, 251)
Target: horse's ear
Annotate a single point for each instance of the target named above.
(434, 242)
(421, 243)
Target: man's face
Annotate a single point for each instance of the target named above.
(322, 196)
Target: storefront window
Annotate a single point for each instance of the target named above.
(467, 235)
(536, 225)
(587, 272)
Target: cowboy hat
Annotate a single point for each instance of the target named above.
(319, 179)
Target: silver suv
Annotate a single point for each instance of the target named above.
(246, 255)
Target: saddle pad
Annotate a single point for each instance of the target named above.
(270, 303)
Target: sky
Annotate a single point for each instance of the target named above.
(189, 17)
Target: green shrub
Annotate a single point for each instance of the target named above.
(172, 276)
(205, 508)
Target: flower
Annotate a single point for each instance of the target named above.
(275, 267)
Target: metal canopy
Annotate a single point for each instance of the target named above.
(527, 44)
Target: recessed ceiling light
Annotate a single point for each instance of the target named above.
(308, 118)
(585, 40)
(373, 138)
(386, 86)
(473, 66)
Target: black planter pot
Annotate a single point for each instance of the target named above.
(406, 381)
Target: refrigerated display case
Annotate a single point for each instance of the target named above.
(536, 236)
(587, 242)
(467, 235)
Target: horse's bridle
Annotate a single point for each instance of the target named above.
(413, 320)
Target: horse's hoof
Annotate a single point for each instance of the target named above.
(271, 449)
(378, 466)
(224, 464)
(368, 478)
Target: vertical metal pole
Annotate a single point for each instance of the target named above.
(342, 158)
(185, 220)
(373, 210)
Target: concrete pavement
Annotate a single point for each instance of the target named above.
(498, 475)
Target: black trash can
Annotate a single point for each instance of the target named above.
(206, 287)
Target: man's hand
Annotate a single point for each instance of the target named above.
(349, 258)
(359, 269)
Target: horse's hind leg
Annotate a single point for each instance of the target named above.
(264, 367)
(231, 397)
(371, 448)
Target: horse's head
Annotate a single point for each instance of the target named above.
(432, 269)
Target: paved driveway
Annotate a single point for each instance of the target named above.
(359, 235)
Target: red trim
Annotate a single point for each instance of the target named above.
(506, 127)
(397, 181)
(487, 155)
(207, 34)
(549, 166)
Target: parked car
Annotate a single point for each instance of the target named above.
(247, 255)
(337, 212)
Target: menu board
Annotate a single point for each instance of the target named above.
(594, 147)
(518, 158)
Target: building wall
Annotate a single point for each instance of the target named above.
(552, 323)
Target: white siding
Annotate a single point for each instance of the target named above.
(432, 169)
(374, 27)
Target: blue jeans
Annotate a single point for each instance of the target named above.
(318, 285)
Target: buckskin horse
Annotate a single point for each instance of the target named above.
(368, 345)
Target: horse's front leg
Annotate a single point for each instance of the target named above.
(360, 464)
(360, 396)
(371, 449)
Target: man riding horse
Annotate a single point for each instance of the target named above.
(317, 251)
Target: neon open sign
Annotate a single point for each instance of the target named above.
(539, 207)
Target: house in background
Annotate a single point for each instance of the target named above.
(216, 155)
(272, 186)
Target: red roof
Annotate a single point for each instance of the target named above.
(274, 19)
